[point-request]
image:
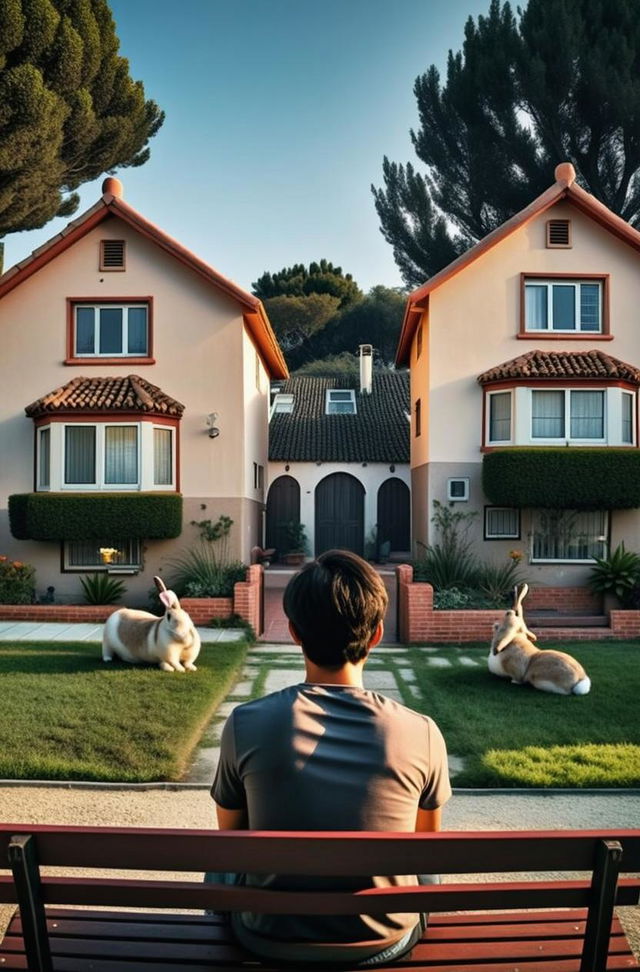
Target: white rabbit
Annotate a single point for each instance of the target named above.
(140, 637)
(514, 656)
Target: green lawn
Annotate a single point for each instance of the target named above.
(512, 735)
(65, 715)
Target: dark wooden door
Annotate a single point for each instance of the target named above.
(283, 507)
(394, 514)
(339, 513)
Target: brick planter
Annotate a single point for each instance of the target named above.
(201, 610)
(78, 613)
(418, 622)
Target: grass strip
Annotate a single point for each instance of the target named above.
(65, 715)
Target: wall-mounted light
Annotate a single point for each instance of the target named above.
(210, 422)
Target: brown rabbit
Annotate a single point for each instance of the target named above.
(513, 655)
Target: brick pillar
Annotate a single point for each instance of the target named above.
(404, 577)
(247, 597)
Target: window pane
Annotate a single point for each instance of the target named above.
(340, 396)
(86, 553)
(627, 417)
(589, 307)
(535, 307)
(547, 420)
(500, 522)
(80, 454)
(121, 454)
(587, 415)
(568, 535)
(162, 458)
(111, 330)
(137, 330)
(45, 452)
(500, 417)
(85, 330)
(564, 307)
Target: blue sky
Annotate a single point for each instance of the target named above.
(279, 113)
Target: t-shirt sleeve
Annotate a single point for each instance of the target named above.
(438, 788)
(227, 789)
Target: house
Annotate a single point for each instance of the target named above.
(525, 365)
(339, 462)
(135, 400)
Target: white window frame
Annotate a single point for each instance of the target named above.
(130, 567)
(509, 441)
(97, 307)
(576, 283)
(41, 487)
(100, 441)
(283, 403)
(567, 437)
(501, 536)
(602, 540)
(458, 499)
(340, 401)
(628, 396)
(174, 479)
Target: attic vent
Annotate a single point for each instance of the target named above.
(112, 254)
(559, 232)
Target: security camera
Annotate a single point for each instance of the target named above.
(214, 432)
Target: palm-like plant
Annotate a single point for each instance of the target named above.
(617, 574)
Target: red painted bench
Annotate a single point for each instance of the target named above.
(579, 933)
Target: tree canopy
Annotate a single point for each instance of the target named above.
(298, 281)
(561, 82)
(69, 110)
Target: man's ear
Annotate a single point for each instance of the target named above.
(377, 636)
(294, 634)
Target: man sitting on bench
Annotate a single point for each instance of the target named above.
(327, 754)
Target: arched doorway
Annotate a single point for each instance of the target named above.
(394, 514)
(283, 507)
(339, 503)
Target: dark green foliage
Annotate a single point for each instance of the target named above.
(560, 83)
(563, 478)
(68, 109)
(235, 621)
(298, 281)
(617, 574)
(375, 319)
(99, 588)
(200, 573)
(17, 582)
(82, 516)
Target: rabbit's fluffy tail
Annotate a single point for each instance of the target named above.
(582, 687)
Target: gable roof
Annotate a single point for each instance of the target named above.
(129, 394)
(563, 365)
(112, 204)
(378, 432)
(564, 188)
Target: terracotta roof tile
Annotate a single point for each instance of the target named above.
(563, 365)
(378, 432)
(128, 394)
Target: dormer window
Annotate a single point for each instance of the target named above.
(282, 404)
(340, 402)
(112, 253)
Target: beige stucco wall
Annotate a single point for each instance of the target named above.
(204, 359)
(473, 322)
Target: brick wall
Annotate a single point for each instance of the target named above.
(247, 597)
(84, 613)
(201, 610)
(418, 622)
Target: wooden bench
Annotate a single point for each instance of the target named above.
(580, 931)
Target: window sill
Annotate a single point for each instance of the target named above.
(563, 336)
(124, 359)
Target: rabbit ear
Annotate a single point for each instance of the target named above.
(160, 584)
(520, 596)
(169, 598)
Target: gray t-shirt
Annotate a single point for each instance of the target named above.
(330, 757)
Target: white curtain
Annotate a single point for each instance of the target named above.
(80, 454)
(45, 457)
(162, 459)
(627, 417)
(536, 307)
(500, 417)
(547, 420)
(587, 415)
(121, 454)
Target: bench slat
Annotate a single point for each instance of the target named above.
(320, 853)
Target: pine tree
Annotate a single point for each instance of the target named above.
(68, 109)
(561, 83)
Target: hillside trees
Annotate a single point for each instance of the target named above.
(562, 82)
(69, 110)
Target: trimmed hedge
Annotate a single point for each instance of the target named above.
(563, 478)
(95, 516)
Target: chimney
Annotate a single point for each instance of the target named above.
(366, 367)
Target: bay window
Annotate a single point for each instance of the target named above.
(568, 414)
(500, 416)
(558, 305)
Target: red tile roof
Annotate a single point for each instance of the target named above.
(563, 365)
(129, 394)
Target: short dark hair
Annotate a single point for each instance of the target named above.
(335, 604)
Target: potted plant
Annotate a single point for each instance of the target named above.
(296, 538)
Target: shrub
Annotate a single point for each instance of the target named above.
(497, 581)
(17, 582)
(198, 574)
(99, 588)
(561, 478)
(94, 516)
(617, 574)
(235, 621)
(450, 562)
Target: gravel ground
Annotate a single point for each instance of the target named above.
(193, 808)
